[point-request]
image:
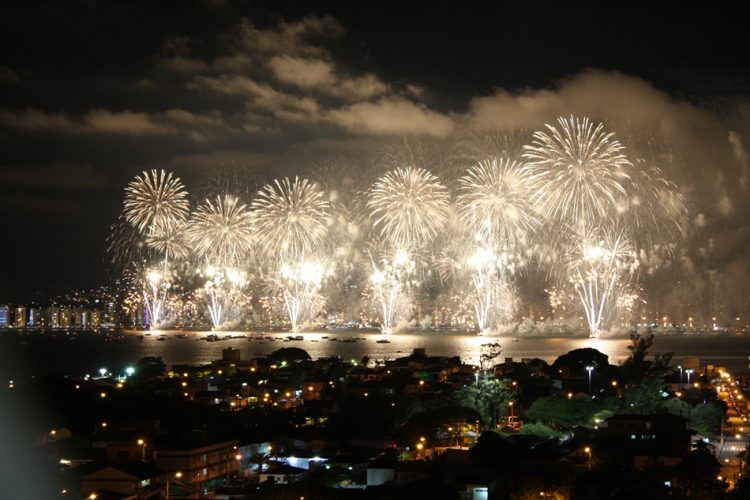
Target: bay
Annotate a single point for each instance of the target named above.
(23, 355)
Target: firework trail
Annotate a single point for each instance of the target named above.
(493, 293)
(169, 239)
(299, 286)
(390, 285)
(125, 244)
(603, 266)
(156, 285)
(655, 210)
(224, 293)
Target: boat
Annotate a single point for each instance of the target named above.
(383, 341)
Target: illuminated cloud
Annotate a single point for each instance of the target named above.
(395, 116)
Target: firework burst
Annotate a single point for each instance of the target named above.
(291, 218)
(221, 232)
(155, 199)
(168, 239)
(578, 171)
(495, 203)
(409, 207)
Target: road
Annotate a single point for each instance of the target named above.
(733, 444)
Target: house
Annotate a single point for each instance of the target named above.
(201, 466)
(654, 440)
(128, 481)
(281, 473)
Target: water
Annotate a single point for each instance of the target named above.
(24, 355)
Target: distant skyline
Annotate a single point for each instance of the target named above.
(94, 93)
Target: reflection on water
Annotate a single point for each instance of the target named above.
(42, 353)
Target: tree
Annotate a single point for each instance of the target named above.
(697, 475)
(561, 412)
(706, 419)
(676, 406)
(645, 397)
(150, 367)
(541, 430)
(289, 354)
(489, 397)
(636, 366)
(574, 363)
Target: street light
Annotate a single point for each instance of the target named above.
(142, 444)
(177, 476)
(587, 450)
(510, 403)
(589, 369)
(689, 372)
(680, 368)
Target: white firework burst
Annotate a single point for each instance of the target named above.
(291, 218)
(221, 232)
(578, 171)
(155, 199)
(495, 204)
(409, 207)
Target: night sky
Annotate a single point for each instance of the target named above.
(92, 93)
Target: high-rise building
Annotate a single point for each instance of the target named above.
(76, 318)
(35, 317)
(20, 319)
(53, 317)
(4, 316)
(65, 317)
(95, 318)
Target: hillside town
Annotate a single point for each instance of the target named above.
(419, 426)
